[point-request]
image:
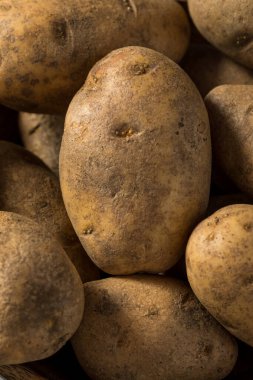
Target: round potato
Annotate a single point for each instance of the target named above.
(41, 294)
(150, 327)
(227, 25)
(135, 136)
(42, 134)
(208, 68)
(230, 110)
(48, 47)
(29, 188)
(219, 262)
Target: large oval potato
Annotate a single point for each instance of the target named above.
(29, 188)
(230, 110)
(41, 294)
(150, 327)
(219, 262)
(228, 25)
(135, 136)
(209, 68)
(48, 47)
(42, 134)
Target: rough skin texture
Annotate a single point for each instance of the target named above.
(29, 188)
(49, 46)
(41, 294)
(219, 262)
(209, 68)
(150, 327)
(42, 134)
(230, 110)
(19, 373)
(135, 136)
(228, 25)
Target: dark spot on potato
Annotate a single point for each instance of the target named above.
(185, 298)
(33, 82)
(248, 227)
(140, 69)
(208, 349)
(43, 204)
(88, 231)
(34, 129)
(248, 280)
(124, 131)
(216, 220)
(59, 29)
(181, 123)
(106, 306)
(242, 40)
(152, 312)
(5, 7)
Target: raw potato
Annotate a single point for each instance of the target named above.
(208, 68)
(150, 327)
(228, 25)
(135, 136)
(29, 188)
(49, 46)
(230, 110)
(41, 294)
(219, 262)
(42, 134)
(15, 372)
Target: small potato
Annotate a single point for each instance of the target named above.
(208, 68)
(135, 136)
(228, 25)
(41, 294)
(48, 47)
(230, 111)
(219, 261)
(29, 188)
(42, 134)
(150, 327)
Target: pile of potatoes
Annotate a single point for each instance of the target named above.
(126, 190)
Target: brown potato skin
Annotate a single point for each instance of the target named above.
(29, 188)
(230, 110)
(126, 175)
(150, 327)
(42, 134)
(41, 294)
(227, 25)
(48, 48)
(219, 261)
(209, 68)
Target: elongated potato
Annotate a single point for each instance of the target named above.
(42, 134)
(150, 327)
(219, 262)
(135, 136)
(29, 188)
(230, 110)
(41, 294)
(48, 47)
(228, 25)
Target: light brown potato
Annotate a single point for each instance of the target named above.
(128, 176)
(230, 111)
(29, 188)
(219, 262)
(17, 372)
(42, 134)
(209, 68)
(49, 46)
(228, 25)
(41, 294)
(150, 327)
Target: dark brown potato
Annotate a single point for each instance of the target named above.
(41, 294)
(128, 177)
(230, 111)
(42, 134)
(29, 188)
(209, 68)
(150, 327)
(48, 47)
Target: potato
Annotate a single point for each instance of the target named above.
(227, 25)
(219, 260)
(150, 327)
(230, 110)
(41, 294)
(28, 187)
(42, 134)
(17, 372)
(48, 47)
(208, 68)
(135, 136)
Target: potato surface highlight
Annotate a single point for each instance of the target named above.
(135, 136)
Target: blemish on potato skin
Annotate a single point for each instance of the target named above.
(59, 31)
(140, 69)
(88, 231)
(242, 40)
(248, 227)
